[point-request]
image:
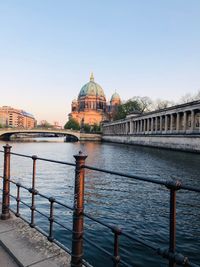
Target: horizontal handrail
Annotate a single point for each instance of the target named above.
(127, 175)
(171, 185)
(111, 227)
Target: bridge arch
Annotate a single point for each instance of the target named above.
(5, 134)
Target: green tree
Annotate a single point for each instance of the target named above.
(124, 109)
(72, 124)
(96, 128)
(87, 128)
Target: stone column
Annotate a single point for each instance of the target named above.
(131, 127)
(171, 122)
(152, 125)
(141, 122)
(166, 123)
(161, 124)
(177, 122)
(145, 125)
(156, 124)
(148, 125)
(192, 120)
(185, 121)
(126, 128)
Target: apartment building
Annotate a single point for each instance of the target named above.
(16, 118)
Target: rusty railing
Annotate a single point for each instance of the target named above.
(78, 238)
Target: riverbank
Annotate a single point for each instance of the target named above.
(187, 143)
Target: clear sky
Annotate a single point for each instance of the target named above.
(48, 48)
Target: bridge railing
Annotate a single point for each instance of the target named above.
(77, 230)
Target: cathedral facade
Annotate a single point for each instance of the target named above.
(91, 106)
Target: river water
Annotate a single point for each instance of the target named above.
(141, 209)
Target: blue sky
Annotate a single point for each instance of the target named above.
(49, 48)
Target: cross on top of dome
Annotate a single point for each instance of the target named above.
(92, 77)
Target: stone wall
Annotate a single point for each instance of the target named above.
(181, 142)
(90, 137)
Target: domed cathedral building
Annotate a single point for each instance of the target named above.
(91, 106)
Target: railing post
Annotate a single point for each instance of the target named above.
(33, 192)
(116, 260)
(77, 234)
(174, 186)
(51, 219)
(172, 226)
(6, 184)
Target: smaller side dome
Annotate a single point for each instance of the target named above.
(115, 98)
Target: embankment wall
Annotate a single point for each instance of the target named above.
(180, 142)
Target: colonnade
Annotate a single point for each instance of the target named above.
(173, 122)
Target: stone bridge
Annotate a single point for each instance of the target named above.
(6, 133)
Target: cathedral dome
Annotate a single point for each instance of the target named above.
(115, 97)
(91, 89)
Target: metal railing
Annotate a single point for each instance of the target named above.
(78, 238)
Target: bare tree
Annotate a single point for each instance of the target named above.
(197, 97)
(161, 104)
(188, 97)
(145, 103)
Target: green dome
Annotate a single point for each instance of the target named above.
(115, 96)
(91, 89)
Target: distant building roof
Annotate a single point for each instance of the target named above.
(27, 114)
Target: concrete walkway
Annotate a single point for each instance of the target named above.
(6, 260)
(22, 246)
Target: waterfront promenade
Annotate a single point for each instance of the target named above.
(6, 259)
(22, 246)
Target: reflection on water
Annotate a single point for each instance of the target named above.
(141, 209)
(38, 139)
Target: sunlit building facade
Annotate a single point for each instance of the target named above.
(91, 106)
(16, 118)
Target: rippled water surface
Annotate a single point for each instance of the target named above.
(141, 209)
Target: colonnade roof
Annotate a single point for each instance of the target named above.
(174, 109)
(170, 110)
